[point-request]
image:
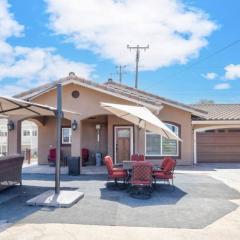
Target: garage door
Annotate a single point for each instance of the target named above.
(221, 145)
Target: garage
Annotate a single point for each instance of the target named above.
(218, 146)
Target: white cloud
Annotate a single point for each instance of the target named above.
(8, 26)
(37, 66)
(11, 89)
(222, 86)
(210, 75)
(29, 67)
(232, 72)
(174, 31)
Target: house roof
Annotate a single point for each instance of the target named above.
(220, 111)
(112, 88)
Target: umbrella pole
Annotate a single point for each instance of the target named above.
(58, 140)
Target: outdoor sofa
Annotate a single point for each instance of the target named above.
(10, 170)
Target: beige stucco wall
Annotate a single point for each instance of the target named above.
(88, 105)
(47, 138)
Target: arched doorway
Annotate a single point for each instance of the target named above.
(94, 138)
(29, 140)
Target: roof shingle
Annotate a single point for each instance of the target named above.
(220, 111)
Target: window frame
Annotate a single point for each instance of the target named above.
(62, 142)
(27, 132)
(161, 155)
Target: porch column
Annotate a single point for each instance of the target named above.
(76, 141)
(139, 140)
(141, 149)
(14, 137)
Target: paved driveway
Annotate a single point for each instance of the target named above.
(198, 201)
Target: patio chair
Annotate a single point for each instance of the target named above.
(137, 157)
(141, 180)
(52, 156)
(85, 156)
(134, 157)
(167, 173)
(115, 173)
(141, 157)
(163, 164)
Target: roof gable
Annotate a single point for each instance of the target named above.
(114, 89)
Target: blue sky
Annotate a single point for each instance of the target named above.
(47, 39)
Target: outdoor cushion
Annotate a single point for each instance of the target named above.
(134, 157)
(118, 169)
(162, 175)
(169, 167)
(114, 173)
(165, 161)
(109, 164)
(118, 174)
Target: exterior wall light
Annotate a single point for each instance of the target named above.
(98, 127)
(10, 125)
(74, 125)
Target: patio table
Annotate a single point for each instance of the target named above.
(128, 165)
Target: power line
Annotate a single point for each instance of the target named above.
(137, 48)
(206, 58)
(213, 54)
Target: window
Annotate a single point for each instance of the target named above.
(66, 135)
(3, 149)
(34, 133)
(153, 144)
(3, 133)
(26, 133)
(156, 145)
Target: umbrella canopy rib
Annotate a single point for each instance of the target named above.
(25, 107)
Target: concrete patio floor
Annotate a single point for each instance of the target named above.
(205, 205)
(46, 169)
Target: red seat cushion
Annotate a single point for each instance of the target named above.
(118, 169)
(118, 174)
(162, 175)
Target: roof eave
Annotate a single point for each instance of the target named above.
(151, 106)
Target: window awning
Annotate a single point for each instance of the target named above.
(13, 106)
(142, 117)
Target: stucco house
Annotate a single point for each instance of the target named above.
(209, 133)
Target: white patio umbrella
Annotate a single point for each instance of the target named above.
(141, 117)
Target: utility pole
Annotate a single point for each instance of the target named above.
(120, 72)
(137, 48)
